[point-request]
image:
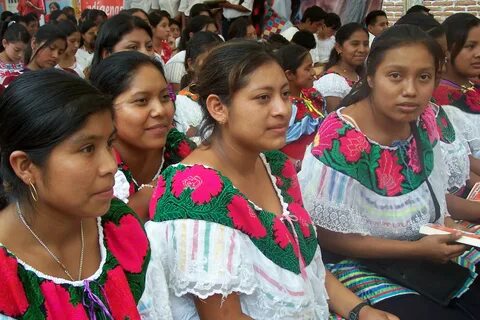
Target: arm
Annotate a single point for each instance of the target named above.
(332, 103)
(463, 209)
(475, 165)
(139, 203)
(237, 7)
(217, 307)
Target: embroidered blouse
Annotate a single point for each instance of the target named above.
(332, 84)
(188, 112)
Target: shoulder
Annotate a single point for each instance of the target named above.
(177, 147)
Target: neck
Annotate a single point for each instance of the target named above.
(452, 75)
(346, 67)
(67, 60)
(143, 163)
(33, 66)
(5, 58)
(295, 91)
(322, 36)
(388, 129)
(157, 44)
(88, 47)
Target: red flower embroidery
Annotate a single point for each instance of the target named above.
(119, 295)
(352, 144)
(303, 218)
(13, 301)
(472, 99)
(388, 173)
(244, 218)
(183, 149)
(290, 173)
(204, 182)
(57, 303)
(414, 157)
(127, 242)
(429, 123)
(157, 194)
(455, 95)
(301, 108)
(283, 237)
(327, 132)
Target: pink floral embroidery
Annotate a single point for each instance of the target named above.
(303, 217)
(429, 123)
(157, 194)
(388, 173)
(290, 173)
(244, 218)
(352, 144)
(283, 237)
(183, 149)
(127, 242)
(472, 99)
(13, 301)
(204, 182)
(327, 132)
(119, 295)
(414, 157)
(57, 303)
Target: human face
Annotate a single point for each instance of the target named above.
(47, 57)
(259, 113)
(137, 40)
(313, 27)
(144, 112)
(381, 23)
(78, 176)
(162, 30)
(141, 15)
(403, 83)
(14, 50)
(174, 31)
(90, 36)
(32, 27)
(62, 17)
(355, 49)
(52, 8)
(73, 43)
(251, 33)
(467, 62)
(211, 27)
(304, 75)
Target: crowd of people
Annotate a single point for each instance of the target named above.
(194, 166)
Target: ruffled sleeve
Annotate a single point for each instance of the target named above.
(332, 85)
(202, 258)
(466, 127)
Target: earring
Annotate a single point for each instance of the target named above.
(222, 122)
(33, 192)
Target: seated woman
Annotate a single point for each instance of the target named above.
(188, 113)
(15, 39)
(146, 141)
(375, 175)
(228, 221)
(308, 104)
(68, 60)
(68, 251)
(345, 65)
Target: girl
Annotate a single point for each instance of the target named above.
(84, 56)
(68, 251)
(146, 142)
(15, 40)
(345, 65)
(68, 59)
(188, 113)
(160, 22)
(374, 176)
(228, 221)
(53, 6)
(123, 33)
(308, 104)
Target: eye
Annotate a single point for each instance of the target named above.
(165, 98)
(149, 47)
(141, 101)
(394, 75)
(132, 47)
(111, 141)
(286, 95)
(88, 148)
(425, 77)
(264, 98)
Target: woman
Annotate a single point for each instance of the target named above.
(374, 176)
(30, 21)
(160, 22)
(84, 56)
(222, 218)
(345, 65)
(15, 40)
(308, 104)
(146, 142)
(44, 51)
(68, 60)
(242, 28)
(53, 6)
(188, 112)
(123, 33)
(58, 172)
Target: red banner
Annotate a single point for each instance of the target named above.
(111, 7)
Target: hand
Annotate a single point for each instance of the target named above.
(369, 313)
(225, 5)
(440, 248)
(461, 225)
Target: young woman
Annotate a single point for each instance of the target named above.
(188, 112)
(53, 6)
(30, 21)
(242, 28)
(308, 104)
(345, 65)
(44, 51)
(84, 56)
(67, 250)
(375, 175)
(146, 142)
(228, 221)
(15, 39)
(160, 22)
(57, 16)
(123, 33)
(68, 60)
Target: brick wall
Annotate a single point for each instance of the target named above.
(439, 8)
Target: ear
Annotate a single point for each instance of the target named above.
(33, 44)
(370, 82)
(190, 64)
(217, 109)
(4, 43)
(338, 48)
(290, 75)
(23, 167)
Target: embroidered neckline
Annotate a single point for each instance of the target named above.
(466, 98)
(202, 193)
(350, 83)
(309, 103)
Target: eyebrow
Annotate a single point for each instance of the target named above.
(82, 138)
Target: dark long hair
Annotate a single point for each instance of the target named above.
(195, 25)
(291, 56)
(45, 36)
(38, 111)
(457, 27)
(13, 33)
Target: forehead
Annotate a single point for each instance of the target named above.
(411, 56)
(381, 19)
(257, 78)
(147, 78)
(474, 34)
(137, 35)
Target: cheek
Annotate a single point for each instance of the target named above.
(130, 122)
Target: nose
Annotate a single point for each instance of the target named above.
(281, 108)
(409, 88)
(159, 108)
(107, 163)
(145, 51)
(55, 54)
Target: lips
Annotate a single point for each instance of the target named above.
(408, 106)
(106, 192)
